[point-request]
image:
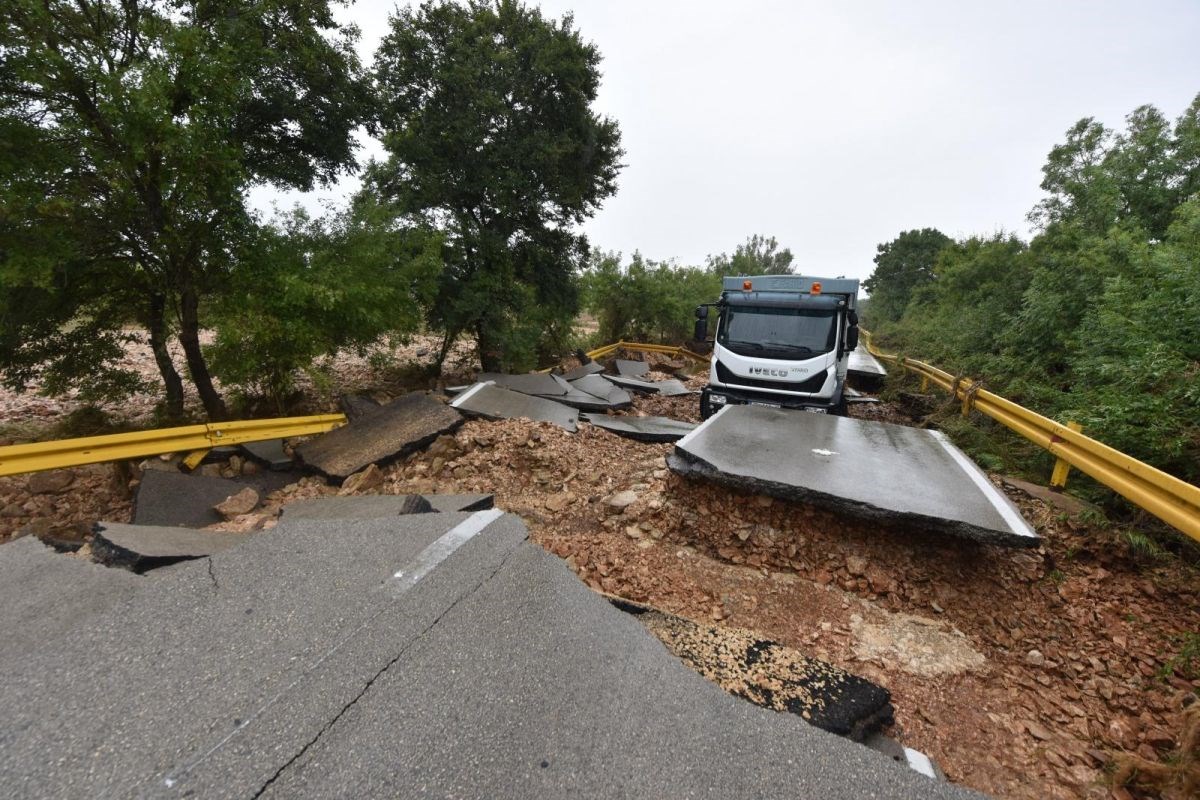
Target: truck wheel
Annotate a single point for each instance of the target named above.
(842, 409)
(705, 405)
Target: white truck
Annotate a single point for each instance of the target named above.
(781, 340)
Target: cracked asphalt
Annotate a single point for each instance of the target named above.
(430, 655)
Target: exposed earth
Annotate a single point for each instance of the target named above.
(1026, 674)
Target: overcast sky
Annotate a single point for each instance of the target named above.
(834, 126)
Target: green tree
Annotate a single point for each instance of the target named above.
(490, 135)
(759, 255)
(645, 300)
(902, 266)
(340, 281)
(132, 131)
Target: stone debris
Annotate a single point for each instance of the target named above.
(144, 547)
(55, 481)
(404, 425)
(235, 505)
(368, 480)
(494, 402)
(643, 429)
(773, 675)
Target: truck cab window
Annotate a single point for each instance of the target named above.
(777, 332)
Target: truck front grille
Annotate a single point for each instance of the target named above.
(809, 386)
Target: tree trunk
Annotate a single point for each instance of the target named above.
(172, 383)
(491, 356)
(189, 338)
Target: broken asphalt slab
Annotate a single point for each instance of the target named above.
(667, 388)
(269, 453)
(870, 470)
(144, 547)
(535, 383)
(577, 398)
(490, 401)
(582, 371)
(613, 397)
(631, 369)
(643, 429)
(864, 369)
(460, 502)
(404, 425)
(360, 658)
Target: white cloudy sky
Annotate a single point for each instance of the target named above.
(834, 126)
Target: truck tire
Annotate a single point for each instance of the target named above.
(705, 404)
(842, 408)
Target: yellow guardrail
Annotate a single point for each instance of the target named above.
(1172, 500)
(639, 347)
(193, 439)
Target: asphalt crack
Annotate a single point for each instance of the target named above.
(371, 682)
(212, 576)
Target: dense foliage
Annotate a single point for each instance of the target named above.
(1095, 319)
(129, 134)
(487, 122)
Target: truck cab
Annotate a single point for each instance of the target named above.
(781, 340)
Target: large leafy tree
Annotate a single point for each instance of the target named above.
(758, 255)
(486, 109)
(131, 130)
(901, 267)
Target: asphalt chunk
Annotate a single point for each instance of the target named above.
(406, 424)
(643, 429)
(490, 401)
(144, 547)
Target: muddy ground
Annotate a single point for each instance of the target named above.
(1024, 674)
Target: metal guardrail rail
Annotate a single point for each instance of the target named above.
(194, 439)
(639, 347)
(1172, 500)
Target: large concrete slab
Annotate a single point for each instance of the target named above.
(871, 470)
(143, 547)
(47, 596)
(643, 429)
(490, 401)
(404, 425)
(177, 498)
(430, 655)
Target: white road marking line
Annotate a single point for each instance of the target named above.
(1016, 522)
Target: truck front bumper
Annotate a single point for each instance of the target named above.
(714, 398)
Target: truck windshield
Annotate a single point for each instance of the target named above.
(777, 332)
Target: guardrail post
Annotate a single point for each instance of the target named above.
(1058, 478)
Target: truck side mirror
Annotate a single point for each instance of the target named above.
(701, 332)
(702, 312)
(852, 337)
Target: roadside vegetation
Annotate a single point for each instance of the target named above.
(1094, 320)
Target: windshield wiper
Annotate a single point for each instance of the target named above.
(799, 348)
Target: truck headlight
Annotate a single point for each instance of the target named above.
(716, 399)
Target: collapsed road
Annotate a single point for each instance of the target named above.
(437, 654)
(761, 595)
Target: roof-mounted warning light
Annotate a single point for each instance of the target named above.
(816, 287)
(746, 285)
